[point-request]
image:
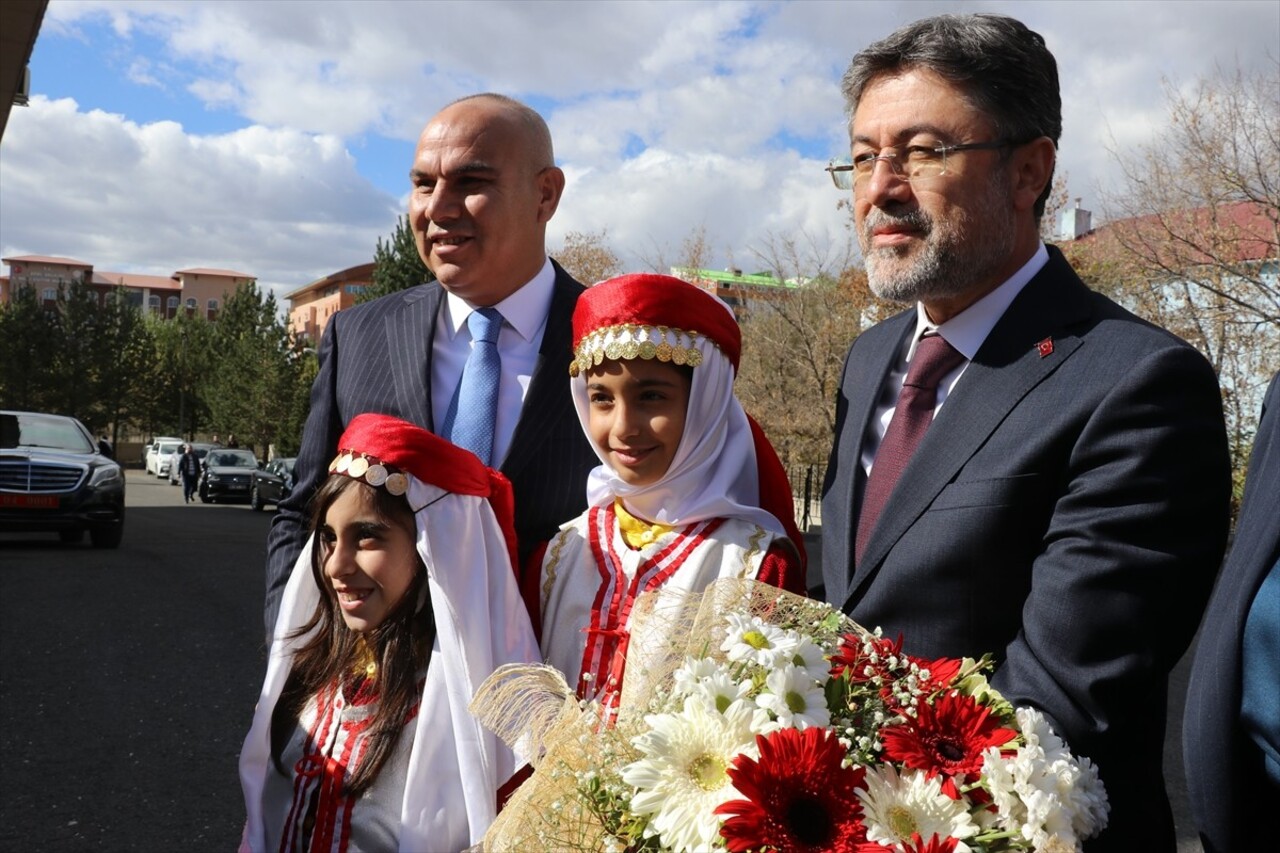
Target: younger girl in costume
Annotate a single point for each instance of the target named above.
(677, 500)
(402, 603)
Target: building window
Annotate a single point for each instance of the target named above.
(212, 310)
(50, 294)
(153, 302)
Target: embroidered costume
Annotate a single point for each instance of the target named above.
(722, 509)
(438, 791)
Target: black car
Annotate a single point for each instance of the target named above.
(226, 475)
(271, 484)
(55, 477)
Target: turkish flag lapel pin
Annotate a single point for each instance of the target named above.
(1045, 347)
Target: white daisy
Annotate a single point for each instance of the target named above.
(719, 690)
(795, 698)
(686, 679)
(753, 640)
(896, 806)
(682, 777)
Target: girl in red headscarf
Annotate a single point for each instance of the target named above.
(688, 489)
(402, 602)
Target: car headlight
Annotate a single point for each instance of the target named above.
(212, 477)
(107, 475)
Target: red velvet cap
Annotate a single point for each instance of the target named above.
(381, 449)
(658, 302)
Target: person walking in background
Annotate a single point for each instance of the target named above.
(1021, 466)
(477, 355)
(688, 488)
(1231, 728)
(403, 602)
(189, 471)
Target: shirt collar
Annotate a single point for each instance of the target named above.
(525, 310)
(968, 330)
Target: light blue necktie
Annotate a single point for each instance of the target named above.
(470, 421)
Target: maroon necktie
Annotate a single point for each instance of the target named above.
(934, 359)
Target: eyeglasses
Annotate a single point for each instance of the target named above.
(914, 162)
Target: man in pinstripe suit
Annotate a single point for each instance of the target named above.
(485, 185)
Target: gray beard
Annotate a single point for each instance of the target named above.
(953, 258)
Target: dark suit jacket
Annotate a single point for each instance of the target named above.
(376, 357)
(1232, 799)
(1066, 512)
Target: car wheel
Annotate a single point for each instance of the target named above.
(71, 536)
(106, 535)
(255, 499)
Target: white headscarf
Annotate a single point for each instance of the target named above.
(456, 766)
(713, 473)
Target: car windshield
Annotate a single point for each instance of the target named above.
(232, 459)
(33, 430)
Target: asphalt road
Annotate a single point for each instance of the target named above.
(128, 680)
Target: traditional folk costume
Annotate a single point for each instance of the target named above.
(438, 791)
(723, 508)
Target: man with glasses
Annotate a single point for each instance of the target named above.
(1021, 466)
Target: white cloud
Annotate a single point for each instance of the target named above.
(285, 206)
(666, 115)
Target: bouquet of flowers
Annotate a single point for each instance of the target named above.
(756, 720)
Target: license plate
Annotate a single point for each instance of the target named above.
(30, 501)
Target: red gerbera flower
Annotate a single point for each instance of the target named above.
(861, 666)
(933, 845)
(942, 672)
(946, 739)
(915, 845)
(799, 799)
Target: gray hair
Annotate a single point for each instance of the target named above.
(1005, 69)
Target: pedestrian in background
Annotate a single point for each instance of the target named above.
(189, 469)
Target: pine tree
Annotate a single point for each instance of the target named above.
(396, 264)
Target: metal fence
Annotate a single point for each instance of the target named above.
(806, 491)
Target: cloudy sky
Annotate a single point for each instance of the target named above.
(275, 137)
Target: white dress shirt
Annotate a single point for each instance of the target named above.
(524, 315)
(966, 331)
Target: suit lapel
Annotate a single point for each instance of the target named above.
(1006, 368)
(878, 349)
(548, 393)
(409, 335)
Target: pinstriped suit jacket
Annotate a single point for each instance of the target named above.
(376, 357)
(1232, 798)
(1066, 512)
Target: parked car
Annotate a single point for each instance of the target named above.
(159, 452)
(54, 477)
(226, 474)
(272, 483)
(201, 449)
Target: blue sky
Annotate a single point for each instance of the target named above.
(275, 137)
